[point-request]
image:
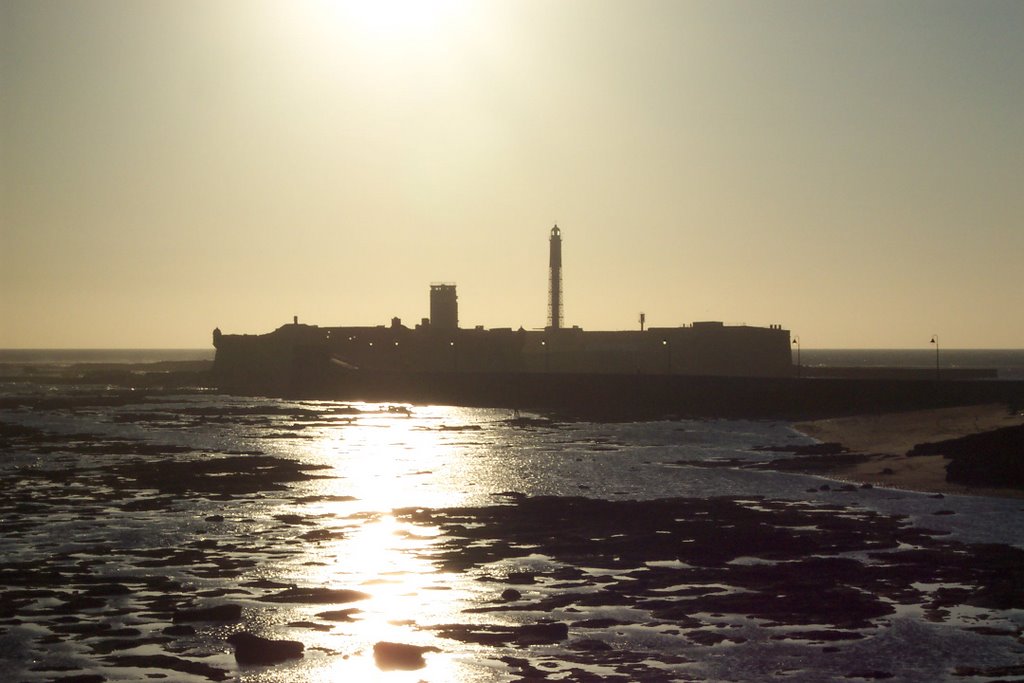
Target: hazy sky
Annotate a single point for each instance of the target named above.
(853, 171)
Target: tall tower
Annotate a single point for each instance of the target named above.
(444, 306)
(555, 280)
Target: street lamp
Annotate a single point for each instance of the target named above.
(668, 356)
(799, 367)
(935, 340)
(544, 343)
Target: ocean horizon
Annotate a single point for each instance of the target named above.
(1009, 363)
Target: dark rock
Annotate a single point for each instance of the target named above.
(590, 645)
(541, 633)
(830, 448)
(310, 625)
(266, 583)
(252, 649)
(316, 595)
(108, 645)
(874, 675)
(179, 630)
(520, 578)
(290, 519)
(598, 623)
(338, 614)
(1014, 670)
(482, 634)
(168, 662)
(400, 656)
(993, 458)
(510, 595)
(225, 612)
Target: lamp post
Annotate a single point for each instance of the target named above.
(544, 343)
(668, 356)
(935, 340)
(799, 367)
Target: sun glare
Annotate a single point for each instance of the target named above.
(398, 24)
(401, 18)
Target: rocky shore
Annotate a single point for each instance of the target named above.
(95, 585)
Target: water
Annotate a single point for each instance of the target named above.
(1009, 363)
(62, 357)
(118, 489)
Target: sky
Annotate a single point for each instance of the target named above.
(852, 171)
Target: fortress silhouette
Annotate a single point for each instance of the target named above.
(702, 369)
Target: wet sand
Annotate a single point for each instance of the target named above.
(884, 440)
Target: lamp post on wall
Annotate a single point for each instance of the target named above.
(668, 356)
(935, 340)
(799, 367)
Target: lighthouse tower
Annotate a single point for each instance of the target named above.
(555, 281)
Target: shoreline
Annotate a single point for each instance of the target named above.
(878, 446)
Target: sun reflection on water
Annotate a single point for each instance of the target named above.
(381, 461)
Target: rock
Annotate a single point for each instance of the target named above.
(510, 595)
(590, 645)
(168, 662)
(871, 675)
(542, 633)
(990, 458)
(338, 614)
(400, 656)
(225, 612)
(310, 625)
(179, 630)
(316, 595)
(252, 649)
(520, 578)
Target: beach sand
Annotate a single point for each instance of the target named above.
(888, 437)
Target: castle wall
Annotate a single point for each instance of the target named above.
(297, 356)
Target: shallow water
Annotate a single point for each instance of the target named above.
(349, 528)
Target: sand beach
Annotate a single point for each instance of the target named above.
(885, 440)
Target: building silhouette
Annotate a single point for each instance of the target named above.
(444, 306)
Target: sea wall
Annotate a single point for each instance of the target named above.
(699, 372)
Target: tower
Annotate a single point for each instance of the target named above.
(555, 280)
(444, 306)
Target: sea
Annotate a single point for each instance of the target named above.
(1009, 363)
(345, 525)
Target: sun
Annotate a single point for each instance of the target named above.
(398, 21)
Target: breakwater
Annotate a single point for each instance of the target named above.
(633, 396)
